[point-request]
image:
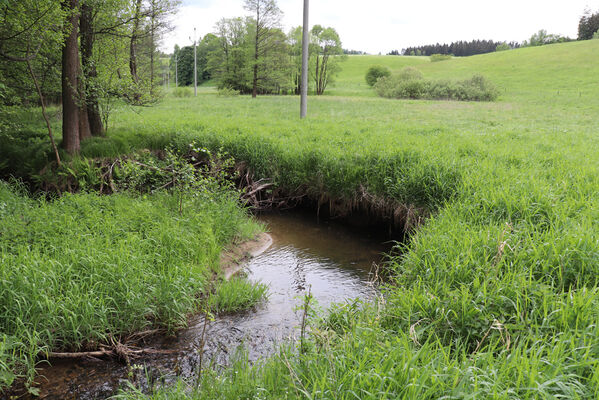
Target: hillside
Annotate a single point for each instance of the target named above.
(532, 73)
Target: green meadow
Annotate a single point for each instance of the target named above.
(495, 292)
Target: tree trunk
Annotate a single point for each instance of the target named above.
(152, 40)
(89, 71)
(133, 44)
(70, 68)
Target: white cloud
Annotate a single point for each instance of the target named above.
(383, 25)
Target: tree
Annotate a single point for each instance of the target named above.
(375, 72)
(266, 16)
(327, 52)
(295, 53)
(230, 61)
(23, 33)
(588, 25)
(70, 72)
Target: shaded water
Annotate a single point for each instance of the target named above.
(333, 261)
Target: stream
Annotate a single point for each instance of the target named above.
(331, 260)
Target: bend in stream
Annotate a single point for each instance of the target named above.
(333, 261)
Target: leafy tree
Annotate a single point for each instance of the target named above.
(23, 34)
(266, 17)
(82, 53)
(588, 25)
(230, 62)
(375, 72)
(294, 38)
(327, 52)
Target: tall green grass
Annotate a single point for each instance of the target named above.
(82, 269)
(495, 294)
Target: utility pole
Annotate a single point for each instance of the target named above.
(176, 71)
(195, 64)
(305, 42)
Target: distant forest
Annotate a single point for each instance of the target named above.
(458, 49)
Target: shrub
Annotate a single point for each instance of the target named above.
(440, 57)
(409, 86)
(375, 72)
(409, 73)
(228, 91)
(181, 92)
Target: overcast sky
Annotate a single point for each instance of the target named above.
(383, 25)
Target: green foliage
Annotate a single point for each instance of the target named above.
(83, 268)
(326, 51)
(409, 74)
(542, 38)
(182, 92)
(237, 294)
(496, 294)
(375, 72)
(588, 25)
(440, 57)
(410, 85)
(503, 47)
(227, 92)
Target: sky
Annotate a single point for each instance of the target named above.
(379, 26)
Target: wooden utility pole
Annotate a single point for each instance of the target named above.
(305, 43)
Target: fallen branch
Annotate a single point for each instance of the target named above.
(105, 353)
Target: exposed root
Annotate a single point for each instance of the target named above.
(118, 350)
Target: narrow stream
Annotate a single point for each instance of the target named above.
(332, 261)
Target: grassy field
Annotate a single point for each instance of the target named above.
(496, 293)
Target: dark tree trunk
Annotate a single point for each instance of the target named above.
(133, 44)
(89, 71)
(70, 68)
(255, 81)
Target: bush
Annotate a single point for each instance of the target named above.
(408, 85)
(375, 72)
(181, 92)
(409, 73)
(440, 57)
(228, 92)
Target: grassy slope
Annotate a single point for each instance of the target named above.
(497, 294)
(350, 81)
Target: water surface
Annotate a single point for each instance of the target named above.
(332, 261)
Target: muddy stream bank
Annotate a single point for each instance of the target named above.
(331, 259)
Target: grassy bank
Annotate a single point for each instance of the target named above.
(82, 270)
(496, 294)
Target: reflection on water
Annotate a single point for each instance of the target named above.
(330, 260)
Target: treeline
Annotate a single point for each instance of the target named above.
(83, 54)
(458, 49)
(588, 28)
(253, 55)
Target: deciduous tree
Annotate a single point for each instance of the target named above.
(267, 16)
